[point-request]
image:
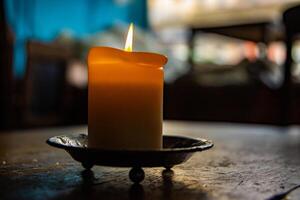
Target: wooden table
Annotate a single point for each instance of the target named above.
(247, 162)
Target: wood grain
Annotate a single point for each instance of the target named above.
(247, 162)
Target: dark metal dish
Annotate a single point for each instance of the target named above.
(176, 150)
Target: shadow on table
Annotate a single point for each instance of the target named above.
(166, 188)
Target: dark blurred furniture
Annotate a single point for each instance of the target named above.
(247, 162)
(290, 91)
(44, 85)
(246, 103)
(251, 103)
(47, 97)
(6, 74)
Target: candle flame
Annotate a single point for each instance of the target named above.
(128, 44)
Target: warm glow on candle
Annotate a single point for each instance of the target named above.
(128, 44)
(125, 98)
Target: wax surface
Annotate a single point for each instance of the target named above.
(125, 103)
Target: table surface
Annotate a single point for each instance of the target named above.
(247, 162)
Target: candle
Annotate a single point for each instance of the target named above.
(125, 98)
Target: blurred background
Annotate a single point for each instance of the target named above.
(229, 60)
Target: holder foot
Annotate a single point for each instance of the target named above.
(136, 174)
(87, 165)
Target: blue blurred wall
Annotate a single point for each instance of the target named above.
(44, 19)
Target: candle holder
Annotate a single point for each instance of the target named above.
(176, 150)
